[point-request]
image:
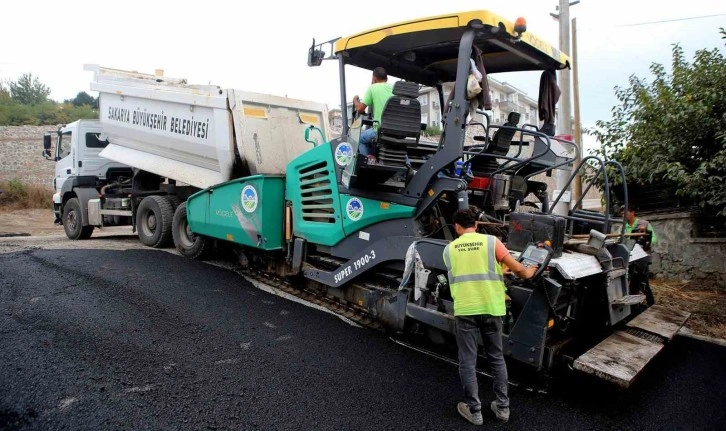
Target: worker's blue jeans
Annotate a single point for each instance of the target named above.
(365, 141)
(490, 329)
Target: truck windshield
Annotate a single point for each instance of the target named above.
(64, 144)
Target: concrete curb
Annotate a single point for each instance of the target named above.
(685, 332)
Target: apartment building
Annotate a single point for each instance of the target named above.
(505, 98)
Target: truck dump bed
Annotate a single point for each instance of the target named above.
(200, 135)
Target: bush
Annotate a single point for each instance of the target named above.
(433, 131)
(45, 113)
(18, 195)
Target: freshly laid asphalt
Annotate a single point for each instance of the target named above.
(144, 339)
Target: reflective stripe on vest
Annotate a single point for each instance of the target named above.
(475, 276)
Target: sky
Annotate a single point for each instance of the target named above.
(262, 46)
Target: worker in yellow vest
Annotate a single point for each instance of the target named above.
(639, 271)
(474, 262)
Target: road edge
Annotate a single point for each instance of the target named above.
(685, 332)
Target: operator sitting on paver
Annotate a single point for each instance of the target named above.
(376, 97)
(639, 268)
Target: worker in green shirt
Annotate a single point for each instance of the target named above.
(376, 97)
(476, 280)
(639, 225)
(638, 277)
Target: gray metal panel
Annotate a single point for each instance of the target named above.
(270, 130)
(439, 320)
(85, 195)
(94, 212)
(352, 244)
(573, 265)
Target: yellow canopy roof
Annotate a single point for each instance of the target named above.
(426, 49)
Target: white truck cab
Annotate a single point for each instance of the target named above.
(76, 153)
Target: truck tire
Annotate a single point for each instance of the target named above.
(175, 202)
(73, 221)
(186, 243)
(153, 221)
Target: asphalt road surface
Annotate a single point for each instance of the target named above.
(145, 339)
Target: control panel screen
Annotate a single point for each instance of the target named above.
(534, 254)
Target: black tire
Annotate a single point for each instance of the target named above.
(175, 202)
(153, 221)
(186, 242)
(73, 221)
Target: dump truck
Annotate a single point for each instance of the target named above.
(159, 140)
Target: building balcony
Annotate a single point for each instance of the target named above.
(505, 105)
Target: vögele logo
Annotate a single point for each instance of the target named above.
(249, 199)
(354, 209)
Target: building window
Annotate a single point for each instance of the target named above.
(423, 99)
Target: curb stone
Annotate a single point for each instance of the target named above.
(685, 332)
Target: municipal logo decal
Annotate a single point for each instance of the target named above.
(354, 209)
(249, 199)
(343, 154)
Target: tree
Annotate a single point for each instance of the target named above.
(83, 98)
(672, 130)
(28, 90)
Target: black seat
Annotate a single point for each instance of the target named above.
(498, 146)
(400, 126)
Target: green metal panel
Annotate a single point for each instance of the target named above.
(247, 211)
(359, 213)
(311, 187)
(197, 205)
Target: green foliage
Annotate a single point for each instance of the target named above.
(26, 102)
(672, 130)
(83, 98)
(433, 131)
(16, 188)
(28, 90)
(18, 195)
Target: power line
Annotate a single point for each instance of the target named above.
(670, 20)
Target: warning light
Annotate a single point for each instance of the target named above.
(520, 25)
(551, 323)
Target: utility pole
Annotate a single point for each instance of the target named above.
(577, 182)
(564, 123)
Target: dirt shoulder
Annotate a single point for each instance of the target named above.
(705, 303)
(28, 222)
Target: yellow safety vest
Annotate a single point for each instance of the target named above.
(475, 276)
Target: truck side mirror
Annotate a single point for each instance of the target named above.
(46, 145)
(315, 56)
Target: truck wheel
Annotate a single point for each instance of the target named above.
(186, 243)
(73, 221)
(175, 202)
(153, 221)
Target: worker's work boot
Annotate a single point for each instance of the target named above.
(475, 418)
(502, 414)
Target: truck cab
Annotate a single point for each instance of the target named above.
(78, 162)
